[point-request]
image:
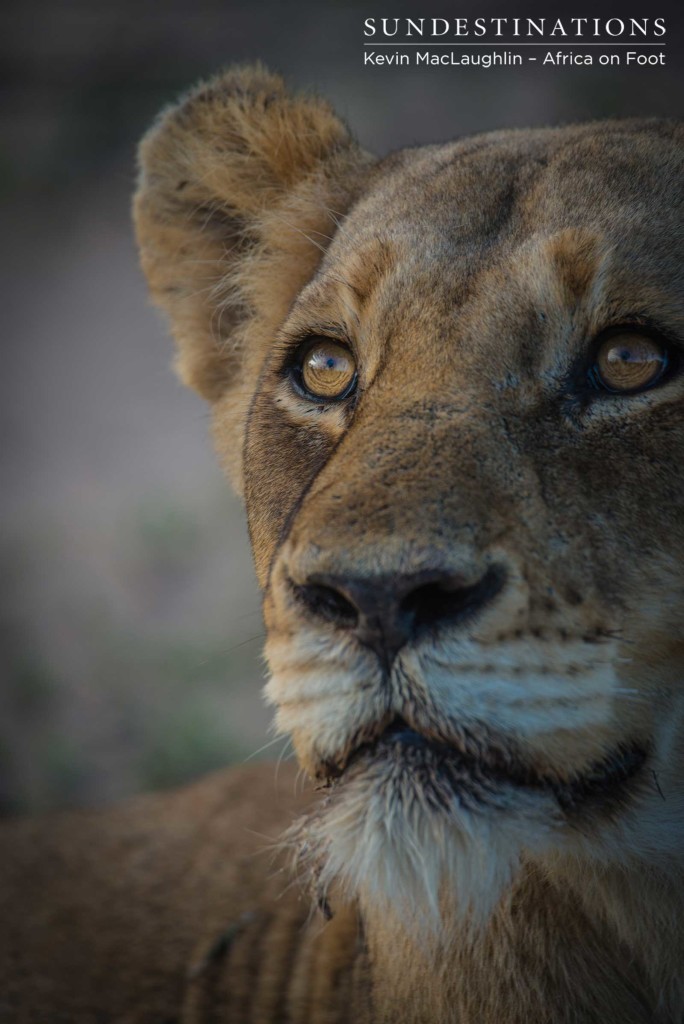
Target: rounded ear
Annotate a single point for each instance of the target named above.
(240, 188)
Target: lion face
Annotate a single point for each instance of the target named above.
(474, 595)
(464, 495)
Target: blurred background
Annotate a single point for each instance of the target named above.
(130, 626)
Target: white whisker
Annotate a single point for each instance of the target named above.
(266, 746)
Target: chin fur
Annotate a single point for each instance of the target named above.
(423, 854)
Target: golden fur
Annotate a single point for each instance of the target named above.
(501, 832)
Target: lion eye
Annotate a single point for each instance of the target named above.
(328, 370)
(629, 362)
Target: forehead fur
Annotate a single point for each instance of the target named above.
(500, 182)
(512, 225)
(466, 205)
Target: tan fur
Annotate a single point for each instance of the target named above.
(471, 280)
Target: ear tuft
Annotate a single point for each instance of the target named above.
(249, 136)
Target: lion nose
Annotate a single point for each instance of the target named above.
(387, 612)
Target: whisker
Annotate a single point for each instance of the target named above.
(266, 746)
(249, 640)
(300, 779)
(260, 835)
(288, 742)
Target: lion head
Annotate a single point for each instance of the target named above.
(449, 385)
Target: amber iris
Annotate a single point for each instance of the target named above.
(630, 362)
(328, 370)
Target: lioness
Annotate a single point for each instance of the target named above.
(449, 385)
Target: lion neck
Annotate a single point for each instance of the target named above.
(567, 944)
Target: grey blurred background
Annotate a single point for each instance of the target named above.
(130, 624)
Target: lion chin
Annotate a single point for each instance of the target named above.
(434, 836)
(413, 844)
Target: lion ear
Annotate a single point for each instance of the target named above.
(240, 187)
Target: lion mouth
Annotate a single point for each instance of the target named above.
(480, 774)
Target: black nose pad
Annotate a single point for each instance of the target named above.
(387, 612)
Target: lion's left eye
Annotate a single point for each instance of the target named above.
(327, 370)
(628, 362)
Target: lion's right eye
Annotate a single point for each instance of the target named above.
(327, 370)
(628, 362)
